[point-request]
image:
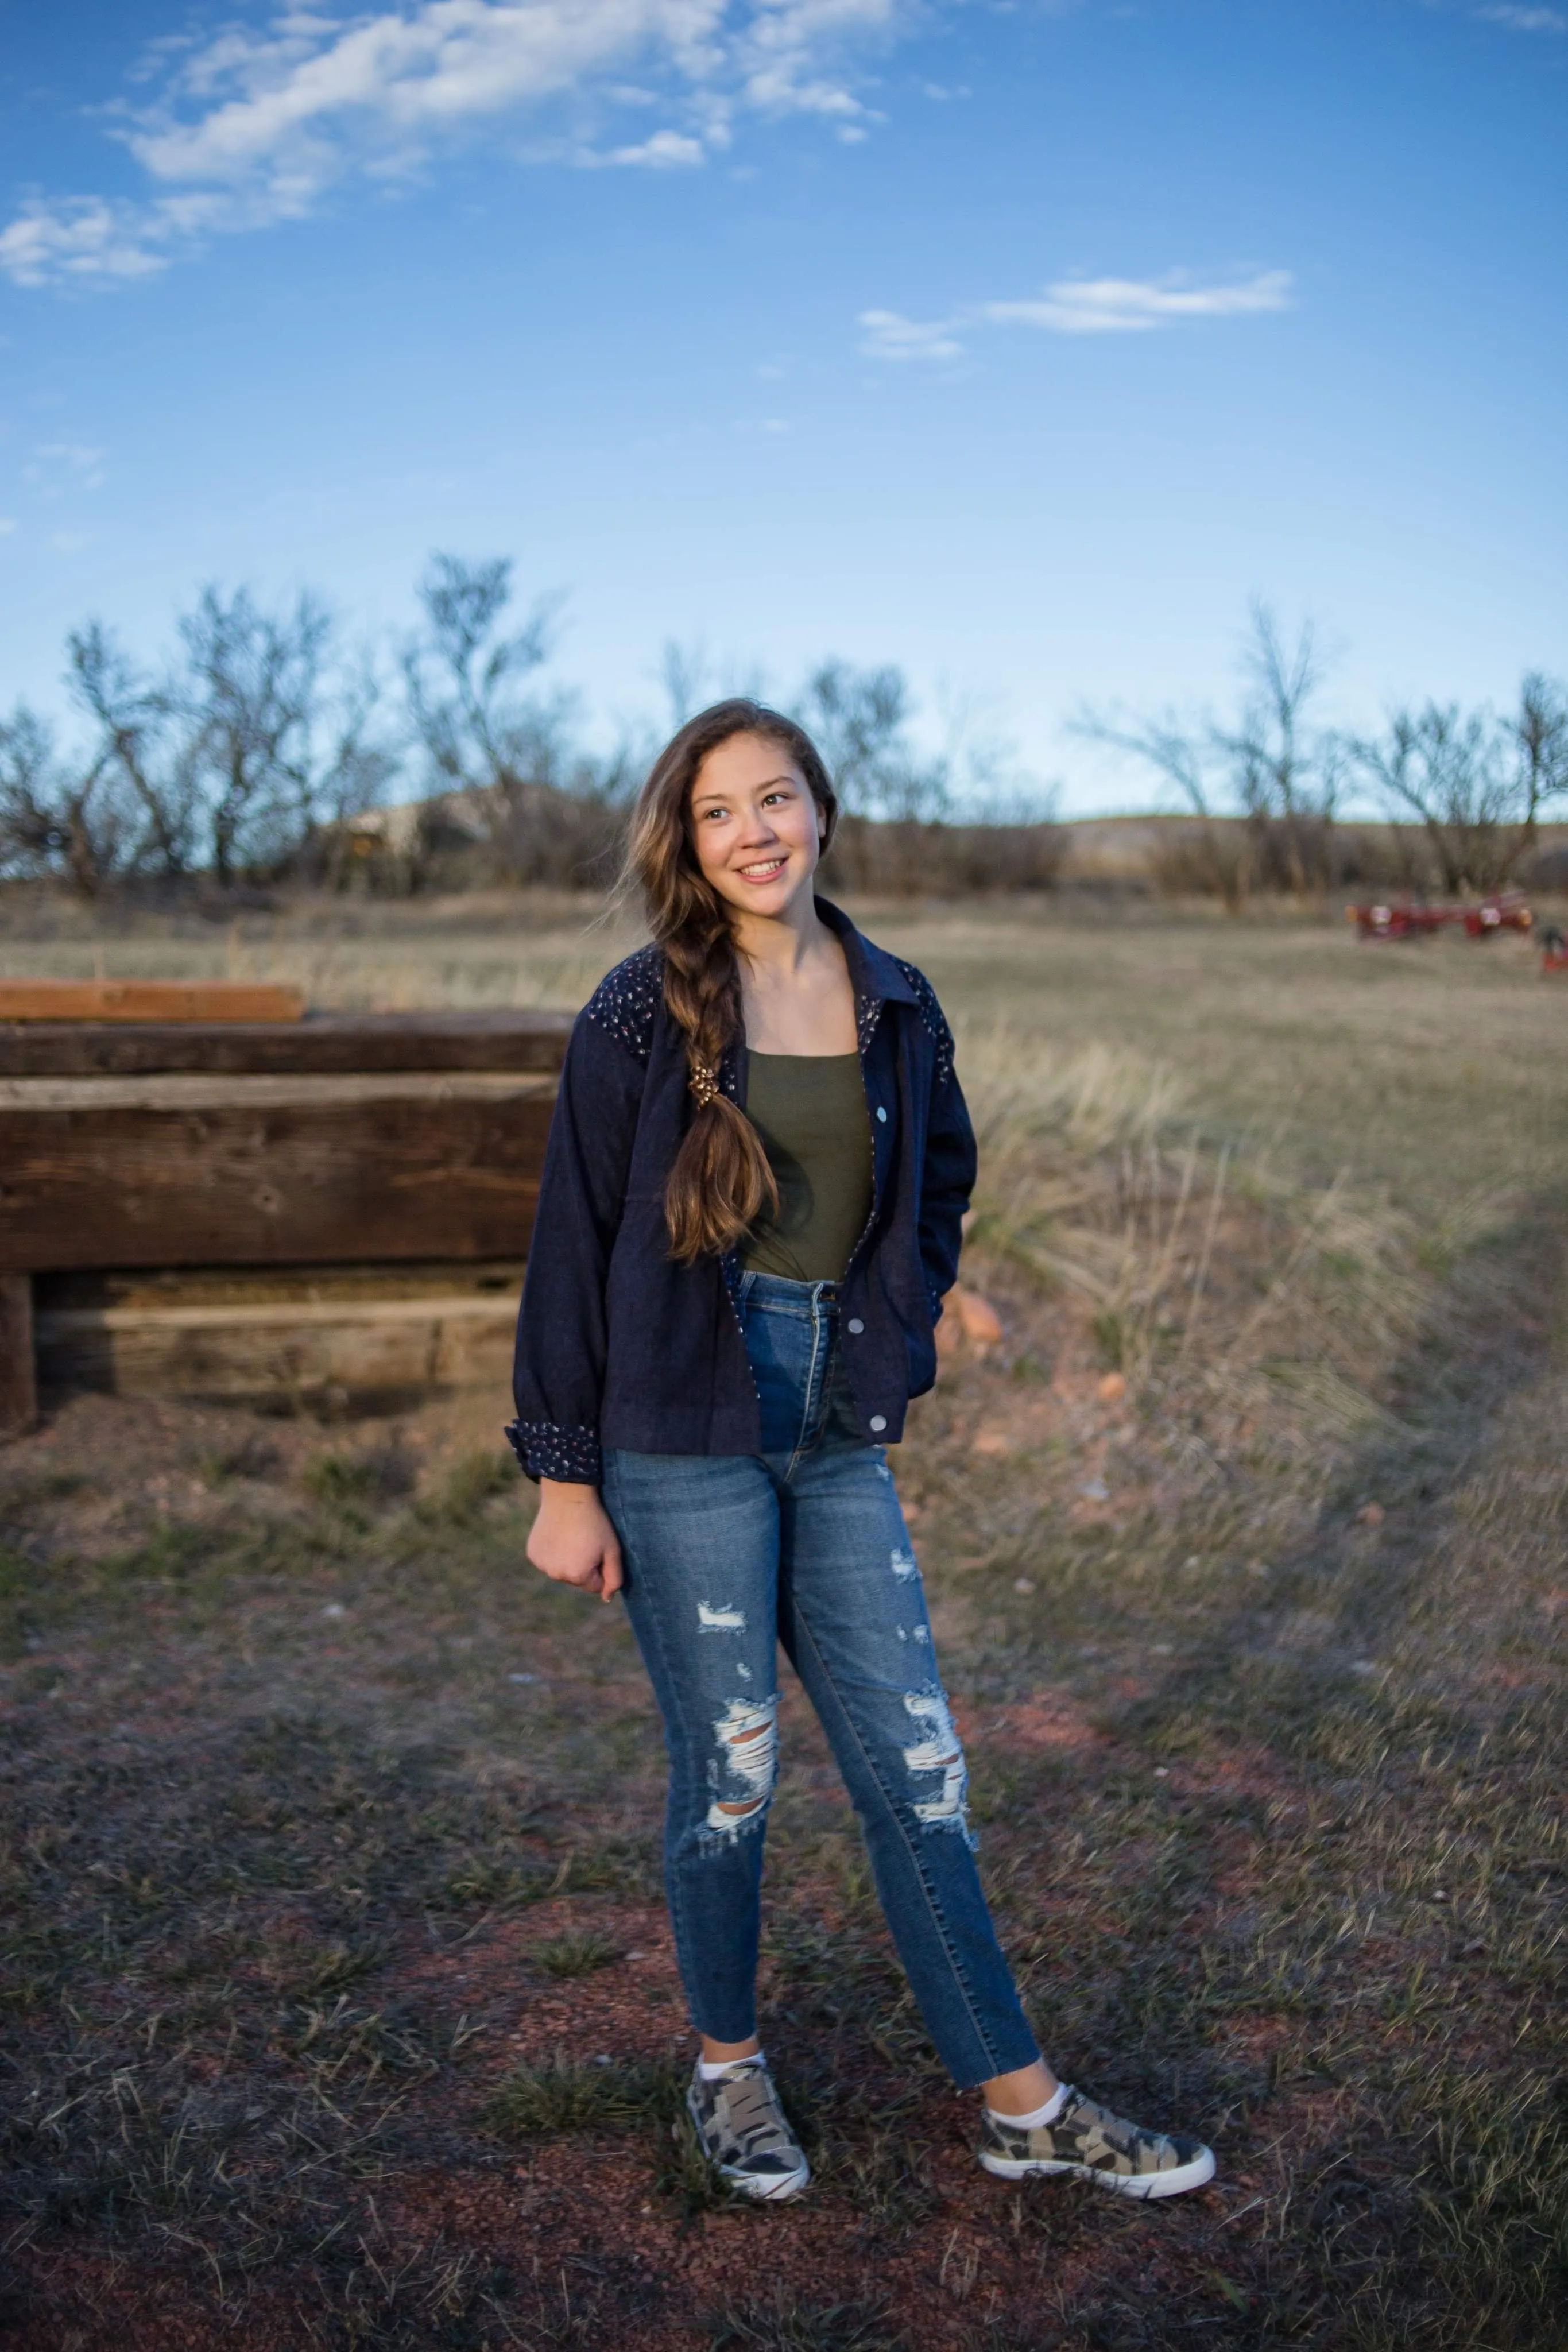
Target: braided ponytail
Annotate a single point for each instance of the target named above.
(721, 1181)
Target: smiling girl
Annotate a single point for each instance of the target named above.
(750, 1211)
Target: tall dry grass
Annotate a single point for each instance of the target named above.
(1210, 1279)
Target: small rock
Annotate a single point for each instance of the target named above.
(990, 1441)
(1094, 1490)
(334, 1609)
(1022, 1584)
(522, 1678)
(1370, 1515)
(1162, 1771)
(1257, 1568)
(1362, 1666)
(1112, 1389)
(1161, 1649)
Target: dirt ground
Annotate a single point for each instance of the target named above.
(340, 2007)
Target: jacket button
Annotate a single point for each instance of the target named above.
(881, 1114)
(855, 1325)
(878, 1421)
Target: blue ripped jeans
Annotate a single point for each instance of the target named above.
(726, 1556)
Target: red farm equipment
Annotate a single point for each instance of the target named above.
(1413, 920)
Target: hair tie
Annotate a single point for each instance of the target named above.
(704, 1085)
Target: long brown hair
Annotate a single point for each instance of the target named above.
(721, 1181)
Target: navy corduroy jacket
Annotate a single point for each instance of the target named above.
(619, 1346)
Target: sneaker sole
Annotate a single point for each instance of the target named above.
(764, 2192)
(1174, 2183)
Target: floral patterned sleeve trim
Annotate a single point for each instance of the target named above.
(548, 1450)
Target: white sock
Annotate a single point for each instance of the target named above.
(1038, 2116)
(714, 2073)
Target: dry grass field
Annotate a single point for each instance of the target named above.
(341, 2011)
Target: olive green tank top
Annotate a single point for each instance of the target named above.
(809, 1111)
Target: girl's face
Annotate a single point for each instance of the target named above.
(758, 831)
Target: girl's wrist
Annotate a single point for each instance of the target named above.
(565, 1490)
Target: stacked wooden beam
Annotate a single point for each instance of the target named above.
(286, 1212)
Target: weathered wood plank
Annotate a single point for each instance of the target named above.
(324, 1043)
(158, 1290)
(281, 1181)
(18, 1392)
(148, 999)
(182, 1090)
(349, 1342)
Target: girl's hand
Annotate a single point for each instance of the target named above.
(572, 1541)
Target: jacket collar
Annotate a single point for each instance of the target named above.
(877, 978)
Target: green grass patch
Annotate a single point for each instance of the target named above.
(564, 2095)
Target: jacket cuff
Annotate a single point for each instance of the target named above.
(545, 1450)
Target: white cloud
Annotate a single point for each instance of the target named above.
(295, 105)
(1077, 306)
(252, 127)
(667, 150)
(780, 47)
(1121, 306)
(1525, 20)
(80, 236)
(888, 336)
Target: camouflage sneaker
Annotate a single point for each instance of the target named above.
(1097, 2146)
(744, 2133)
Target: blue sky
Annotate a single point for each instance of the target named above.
(1019, 343)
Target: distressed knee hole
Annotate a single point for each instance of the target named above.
(937, 1751)
(747, 1759)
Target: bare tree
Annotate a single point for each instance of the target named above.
(1478, 784)
(1539, 730)
(463, 678)
(99, 809)
(137, 744)
(1275, 767)
(1286, 772)
(1215, 861)
(248, 699)
(859, 720)
(231, 763)
(1444, 771)
(509, 760)
(57, 814)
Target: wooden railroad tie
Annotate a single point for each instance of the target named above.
(363, 1146)
(148, 999)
